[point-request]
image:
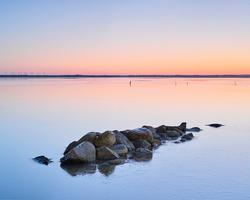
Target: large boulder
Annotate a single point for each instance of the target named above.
(120, 149)
(89, 137)
(139, 134)
(106, 139)
(122, 139)
(142, 154)
(105, 153)
(142, 144)
(84, 152)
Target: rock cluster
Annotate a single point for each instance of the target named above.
(113, 147)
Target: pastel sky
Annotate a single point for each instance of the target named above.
(125, 36)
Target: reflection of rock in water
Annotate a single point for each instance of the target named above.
(79, 169)
(106, 169)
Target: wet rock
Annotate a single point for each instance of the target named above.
(79, 168)
(194, 129)
(139, 134)
(153, 130)
(122, 139)
(89, 137)
(156, 143)
(42, 160)
(106, 139)
(188, 136)
(164, 129)
(119, 161)
(106, 169)
(142, 154)
(120, 149)
(105, 153)
(215, 125)
(84, 152)
(70, 146)
(142, 144)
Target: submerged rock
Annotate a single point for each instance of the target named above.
(106, 139)
(84, 152)
(215, 125)
(122, 139)
(188, 136)
(79, 168)
(42, 160)
(105, 153)
(194, 129)
(106, 169)
(142, 154)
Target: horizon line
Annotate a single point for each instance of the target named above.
(124, 75)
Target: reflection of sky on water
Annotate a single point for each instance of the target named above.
(43, 116)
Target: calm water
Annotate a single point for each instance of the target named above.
(41, 116)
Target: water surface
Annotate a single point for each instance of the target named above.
(41, 116)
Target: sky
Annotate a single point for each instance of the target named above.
(125, 36)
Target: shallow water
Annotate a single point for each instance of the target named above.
(41, 116)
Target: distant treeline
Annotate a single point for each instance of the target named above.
(120, 76)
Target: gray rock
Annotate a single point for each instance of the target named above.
(120, 149)
(84, 152)
(194, 129)
(42, 160)
(122, 139)
(142, 154)
(139, 134)
(105, 153)
(188, 136)
(105, 139)
(142, 144)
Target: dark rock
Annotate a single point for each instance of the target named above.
(181, 128)
(215, 125)
(84, 152)
(70, 146)
(156, 143)
(142, 154)
(106, 139)
(42, 160)
(119, 161)
(79, 168)
(188, 136)
(105, 153)
(120, 149)
(194, 129)
(139, 134)
(122, 139)
(142, 144)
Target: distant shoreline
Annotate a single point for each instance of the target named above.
(123, 76)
